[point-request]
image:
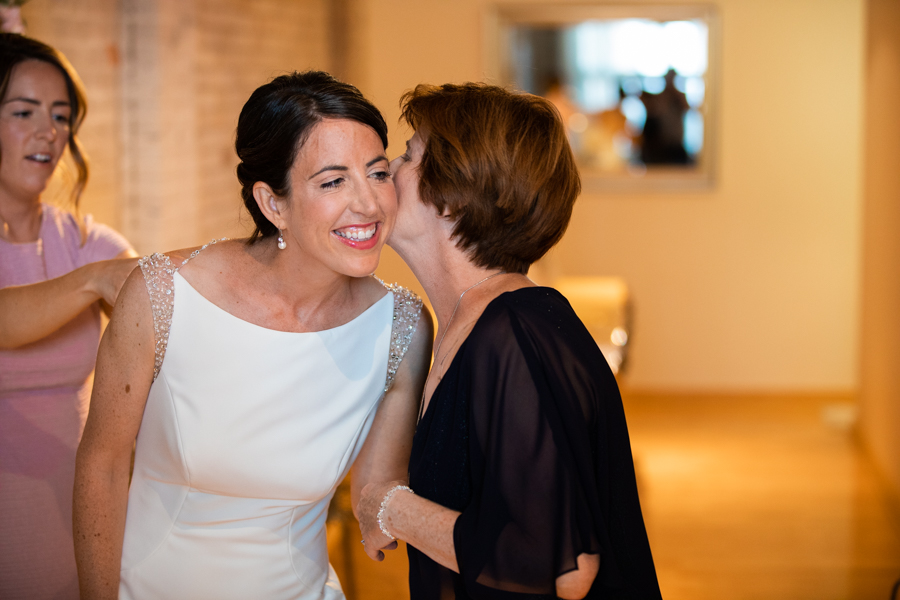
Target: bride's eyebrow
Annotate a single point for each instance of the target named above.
(329, 168)
(343, 168)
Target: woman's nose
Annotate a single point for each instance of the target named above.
(48, 129)
(366, 201)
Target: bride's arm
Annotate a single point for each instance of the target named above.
(122, 382)
(385, 454)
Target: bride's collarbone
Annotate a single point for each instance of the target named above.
(269, 307)
(241, 286)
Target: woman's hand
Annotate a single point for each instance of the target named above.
(370, 499)
(31, 312)
(107, 277)
(418, 522)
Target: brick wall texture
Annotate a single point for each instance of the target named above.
(166, 80)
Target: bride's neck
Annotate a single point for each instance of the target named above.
(302, 282)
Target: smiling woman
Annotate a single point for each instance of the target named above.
(54, 277)
(342, 204)
(278, 360)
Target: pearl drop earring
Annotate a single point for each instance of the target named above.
(281, 243)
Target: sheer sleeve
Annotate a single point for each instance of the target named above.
(551, 470)
(159, 272)
(529, 518)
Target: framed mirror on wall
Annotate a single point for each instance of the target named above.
(635, 84)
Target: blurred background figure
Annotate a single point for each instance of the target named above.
(663, 139)
(54, 274)
(632, 92)
(601, 140)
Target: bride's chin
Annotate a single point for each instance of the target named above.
(360, 268)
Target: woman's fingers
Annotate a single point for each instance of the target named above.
(112, 275)
(375, 554)
(374, 539)
(378, 554)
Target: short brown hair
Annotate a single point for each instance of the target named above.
(498, 163)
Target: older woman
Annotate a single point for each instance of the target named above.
(251, 372)
(521, 477)
(55, 274)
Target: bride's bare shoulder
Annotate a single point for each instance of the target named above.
(212, 251)
(215, 254)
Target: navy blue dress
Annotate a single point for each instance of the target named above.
(526, 436)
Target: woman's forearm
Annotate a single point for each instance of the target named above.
(423, 524)
(428, 527)
(385, 454)
(100, 501)
(31, 312)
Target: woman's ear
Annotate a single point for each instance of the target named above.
(270, 204)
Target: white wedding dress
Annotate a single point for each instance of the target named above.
(246, 433)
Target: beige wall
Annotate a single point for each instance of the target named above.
(751, 286)
(233, 61)
(880, 364)
(88, 33)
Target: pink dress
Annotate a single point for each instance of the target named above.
(44, 394)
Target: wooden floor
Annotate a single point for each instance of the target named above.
(744, 498)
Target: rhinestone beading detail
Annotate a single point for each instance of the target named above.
(159, 272)
(201, 249)
(380, 516)
(407, 307)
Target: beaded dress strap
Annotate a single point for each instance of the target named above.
(159, 272)
(407, 308)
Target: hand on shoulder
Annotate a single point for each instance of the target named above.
(109, 276)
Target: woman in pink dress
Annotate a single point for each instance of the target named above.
(55, 272)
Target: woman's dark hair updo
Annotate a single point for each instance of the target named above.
(275, 123)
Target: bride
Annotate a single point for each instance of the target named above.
(250, 372)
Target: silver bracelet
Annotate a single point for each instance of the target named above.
(384, 501)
